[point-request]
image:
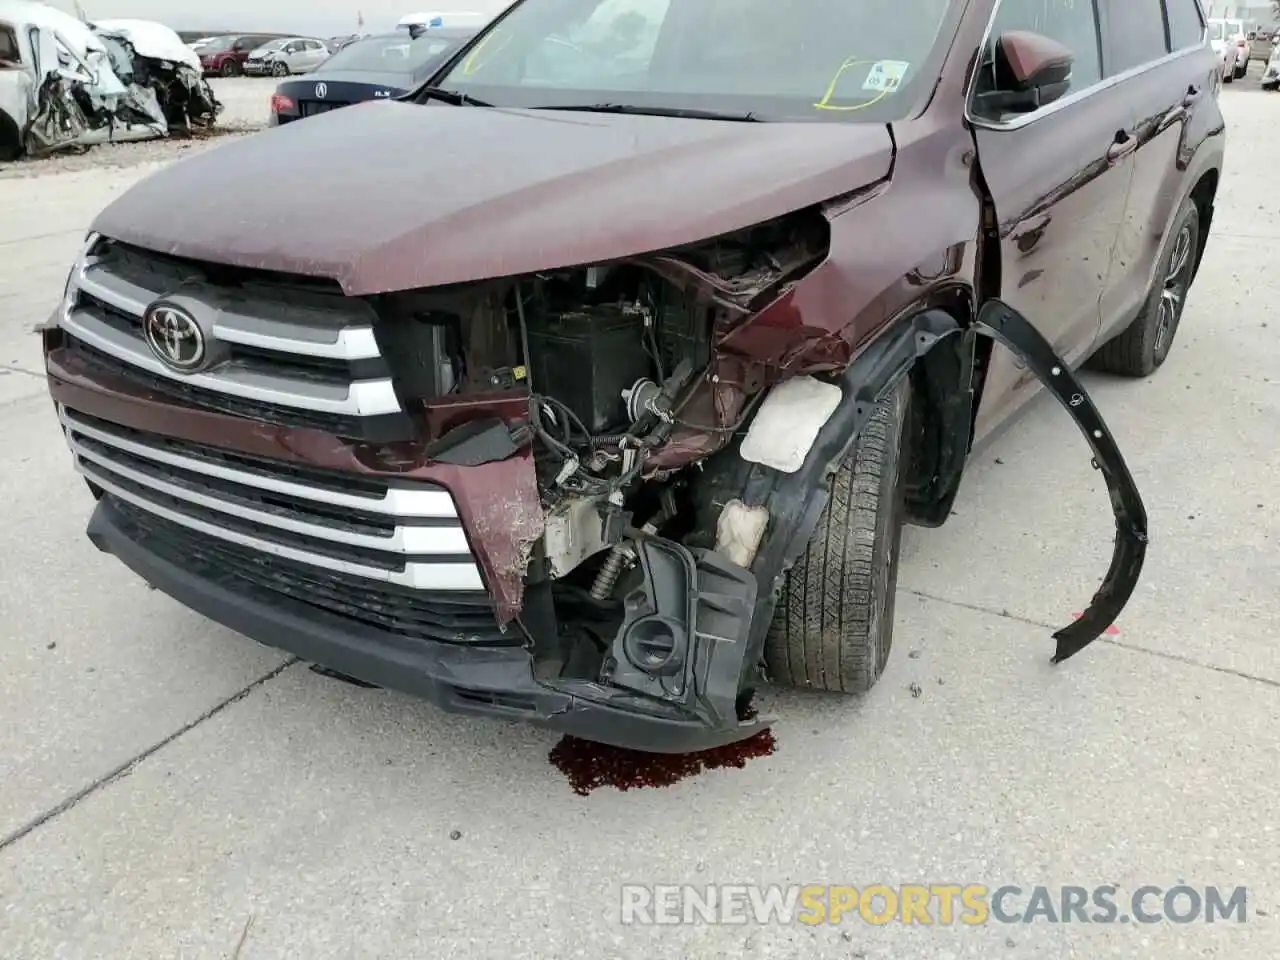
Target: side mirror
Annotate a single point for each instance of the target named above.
(1030, 71)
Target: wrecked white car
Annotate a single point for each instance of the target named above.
(66, 84)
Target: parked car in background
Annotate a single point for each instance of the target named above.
(285, 56)
(1271, 73)
(67, 84)
(375, 68)
(1228, 53)
(337, 43)
(1262, 42)
(226, 55)
(1235, 34)
(600, 398)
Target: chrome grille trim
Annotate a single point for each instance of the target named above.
(435, 557)
(340, 329)
(338, 343)
(395, 502)
(361, 398)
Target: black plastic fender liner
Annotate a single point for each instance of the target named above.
(998, 320)
(682, 640)
(795, 501)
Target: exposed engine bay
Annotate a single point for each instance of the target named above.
(616, 361)
(641, 423)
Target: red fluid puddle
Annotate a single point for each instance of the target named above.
(589, 765)
(1110, 631)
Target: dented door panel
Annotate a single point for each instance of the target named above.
(1057, 215)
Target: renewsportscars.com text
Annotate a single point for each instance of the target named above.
(929, 904)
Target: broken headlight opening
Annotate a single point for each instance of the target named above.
(1000, 321)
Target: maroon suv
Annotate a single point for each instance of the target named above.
(225, 56)
(599, 387)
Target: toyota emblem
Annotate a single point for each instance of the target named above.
(174, 337)
(322, 91)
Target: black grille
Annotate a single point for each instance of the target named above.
(387, 428)
(444, 617)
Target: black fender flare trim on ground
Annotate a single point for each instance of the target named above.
(1004, 324)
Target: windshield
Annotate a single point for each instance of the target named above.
(806, 59)
(218, 43)
(1215, 31)
(397, 54)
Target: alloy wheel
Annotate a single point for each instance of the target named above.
(1174, 294)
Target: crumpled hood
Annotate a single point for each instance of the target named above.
(391, 196)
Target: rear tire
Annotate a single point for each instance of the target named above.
(1143, 346)
(833, 627)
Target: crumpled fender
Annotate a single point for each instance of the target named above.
(1001, 322)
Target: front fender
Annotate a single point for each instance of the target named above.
(795, 501)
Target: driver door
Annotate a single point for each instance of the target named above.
(314, 53)
(1059, 179)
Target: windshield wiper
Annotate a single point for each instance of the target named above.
(449, 96)
(688, 114)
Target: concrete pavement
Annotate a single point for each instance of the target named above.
(168, 789)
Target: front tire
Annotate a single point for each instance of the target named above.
(1143, 346)
(1241, 70)
(279, 70)
(833, 627)
(10, 139)
(230, 68)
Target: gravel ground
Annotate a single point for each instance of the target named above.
(245, 103)
(170, 789)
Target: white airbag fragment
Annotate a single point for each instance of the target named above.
(788, 422)
(739, 532)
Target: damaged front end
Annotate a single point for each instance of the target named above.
(645, 575)
(570, 497)
(109, 93)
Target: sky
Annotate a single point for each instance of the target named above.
(309, 17)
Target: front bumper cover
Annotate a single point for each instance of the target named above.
(488, 681)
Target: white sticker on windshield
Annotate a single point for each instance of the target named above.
(886, 75)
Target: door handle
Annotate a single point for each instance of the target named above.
(1192, 92)
(1123, 145)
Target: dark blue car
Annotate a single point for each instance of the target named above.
(374, 68)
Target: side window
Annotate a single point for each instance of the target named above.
(9, 46)
(1186, 29)
(1137, 29)
(1073, 23)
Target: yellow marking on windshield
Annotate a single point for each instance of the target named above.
(826, 104)
(469, 65)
